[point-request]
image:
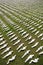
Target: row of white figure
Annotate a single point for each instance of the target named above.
(31, 28)
(10, 52)
(12, 37)
(24, 36)
(28, 34)
(10, 32)
(3, 45)
(18, 14)
(16, 11)
(19, 47)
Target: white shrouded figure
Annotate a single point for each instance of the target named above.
(40, 53)
(11, 59)
(29, 57)
(27, 52)
(3, 42)
(34, 61)
(8, 54)
(7, 49)
(17, 42)
(20, 46)
(5, 45)
(35, 44)
(22, 49)
(40, 48)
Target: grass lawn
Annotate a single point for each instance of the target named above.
(21, 25)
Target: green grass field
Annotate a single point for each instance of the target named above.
(21, 30)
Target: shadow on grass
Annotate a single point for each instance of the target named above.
(2, 62)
